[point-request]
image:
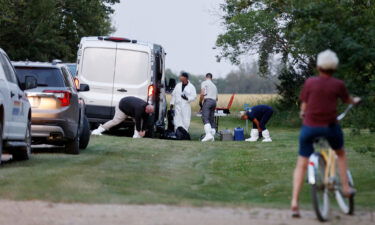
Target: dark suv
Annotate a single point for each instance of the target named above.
(58, 115)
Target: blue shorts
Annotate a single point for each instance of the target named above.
(332, 133)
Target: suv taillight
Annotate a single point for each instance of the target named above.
(62, 96)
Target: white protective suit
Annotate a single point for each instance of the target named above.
(182, 107)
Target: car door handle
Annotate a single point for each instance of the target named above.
(12, 94)
(122, 90)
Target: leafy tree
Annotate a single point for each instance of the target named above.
(42, 30)
(298, 30)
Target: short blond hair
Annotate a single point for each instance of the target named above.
(327, 60)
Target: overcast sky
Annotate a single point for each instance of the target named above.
(187, 29)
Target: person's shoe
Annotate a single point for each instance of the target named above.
(98, 131)
(295, 212)
(266, 136)
(350, 193)
(136, 134)
(254, 136)
(209, 136)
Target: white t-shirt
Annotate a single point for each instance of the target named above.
(209, 89)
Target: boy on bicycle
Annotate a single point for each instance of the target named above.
(319, 98)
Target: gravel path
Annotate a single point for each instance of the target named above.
(44, 213)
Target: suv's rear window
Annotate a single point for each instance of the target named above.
(46, 77)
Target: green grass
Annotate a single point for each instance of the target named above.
(123, 170)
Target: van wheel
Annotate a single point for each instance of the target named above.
(85, 135)
(24, 153)
(72, 146)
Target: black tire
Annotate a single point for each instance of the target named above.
(85, 134)
(24, 153)
(72, 146)
(319, 192)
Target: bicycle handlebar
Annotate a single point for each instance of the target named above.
(343, 115)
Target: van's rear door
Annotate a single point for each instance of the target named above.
(97, 70)
(132, 72)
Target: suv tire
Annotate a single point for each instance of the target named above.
(85, 134)
(24, 153)
(72, 146)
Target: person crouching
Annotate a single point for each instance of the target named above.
(133, 107)
(259, 115)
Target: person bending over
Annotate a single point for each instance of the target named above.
(129, 107)
(319, 98)
(259, 115)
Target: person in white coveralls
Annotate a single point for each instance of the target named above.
(183, 94)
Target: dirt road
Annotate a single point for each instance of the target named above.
(44, 213)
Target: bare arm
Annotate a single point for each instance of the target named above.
(257, 124)
(353, 100)
(201, 98)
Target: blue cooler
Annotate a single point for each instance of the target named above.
(239, 134)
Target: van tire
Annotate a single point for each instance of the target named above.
(72, 146)
(24, 153)
(85, 134)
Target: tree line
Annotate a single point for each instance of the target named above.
(297, 30)
(244, 80)
(43, 30)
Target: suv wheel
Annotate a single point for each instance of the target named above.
(72, 146)
(85, 134)
(24, 153)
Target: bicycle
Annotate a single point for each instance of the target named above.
(324, 178)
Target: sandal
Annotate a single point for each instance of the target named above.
(350, 193)
(295, 212)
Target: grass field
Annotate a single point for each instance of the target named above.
(122, 170)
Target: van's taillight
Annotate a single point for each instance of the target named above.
(151, 90)
(63, 96)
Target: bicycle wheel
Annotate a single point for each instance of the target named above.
(319, 192)
(346, 204)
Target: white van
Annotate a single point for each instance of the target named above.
(118, 67)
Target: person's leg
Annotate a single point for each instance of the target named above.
(343, 167)
(117, 119)
(212, 117)
(336, 140)
(206, 121)
(265, 133)
(305, 150)
(298, 179)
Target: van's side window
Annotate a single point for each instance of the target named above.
(8, 69)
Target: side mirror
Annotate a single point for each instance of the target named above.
(171, 84)
(84, 87)
(30, 82)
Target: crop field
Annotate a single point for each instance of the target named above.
(239, 100)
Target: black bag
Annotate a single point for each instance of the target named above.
(182, 134)
(170, 115)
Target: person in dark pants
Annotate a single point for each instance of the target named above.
(207, 102)
(259, 115)
(132, 107)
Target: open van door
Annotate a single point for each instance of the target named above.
(132, 74)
